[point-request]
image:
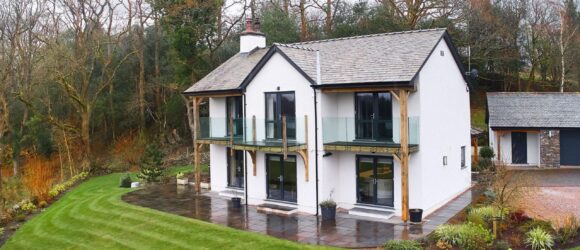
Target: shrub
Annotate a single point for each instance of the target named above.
(486, 153)
(545, 225)
(39, 176)
(538, 239)
(180, 175)
(328, 203)
(403, 245)
(151, 164)
(28, 207)
(20, 217)
(126, 181)
(42, 204)
(501, 245)
(569, 230)
(484, 215)
(1, 231)
(464, 236)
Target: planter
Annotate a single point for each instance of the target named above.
(328, 213)
(416, 215)
(237, 202)
(183, 181)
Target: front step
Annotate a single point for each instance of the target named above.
(232, 193)
(277, 209)
(372, 212)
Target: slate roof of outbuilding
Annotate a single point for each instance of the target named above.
(533, 110)
(380, 58)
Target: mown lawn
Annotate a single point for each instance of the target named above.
(93, 216)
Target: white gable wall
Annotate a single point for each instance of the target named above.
(278, 72)
(444, 128)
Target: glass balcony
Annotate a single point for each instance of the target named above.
(349, 131)
(253, 131)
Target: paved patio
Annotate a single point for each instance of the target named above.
(346, 231)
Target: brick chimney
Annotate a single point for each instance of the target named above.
(252, 37)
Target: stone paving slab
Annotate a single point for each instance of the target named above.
(346, 231)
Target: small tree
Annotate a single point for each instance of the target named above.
(151, 164)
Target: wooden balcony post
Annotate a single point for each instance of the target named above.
(196, 146)
(404, 154)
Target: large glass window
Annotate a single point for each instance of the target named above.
(235, 168)
(374, 117)
(235, 112)
(375, 180)
(278, 105)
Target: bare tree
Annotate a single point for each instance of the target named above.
(568, 28)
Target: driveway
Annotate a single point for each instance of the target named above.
(556, 194)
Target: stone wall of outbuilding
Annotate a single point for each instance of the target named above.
(550, 148)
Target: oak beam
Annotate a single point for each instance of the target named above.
(197, 146)
(404, 153)
(253, 156)
(304, 154)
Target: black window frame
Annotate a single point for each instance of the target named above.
(229, 165)
(238, 121)
(375, 135)
(463, 157)
(291, 135)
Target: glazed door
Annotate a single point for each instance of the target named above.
(235, 168)
(373, 119)
(519, 148)
(375, 177)
(281, 181)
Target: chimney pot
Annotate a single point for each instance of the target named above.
(252, 38)
(249, 24)
(257, 25)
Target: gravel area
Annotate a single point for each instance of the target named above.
(553, 203)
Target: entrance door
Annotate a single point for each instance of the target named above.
(519, 148)
(235, 168)
(281, 178)
(375, 176)
(373, 116)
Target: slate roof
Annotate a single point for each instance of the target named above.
(534, 110)
(230, 74)
(380, 58)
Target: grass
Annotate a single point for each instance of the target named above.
(93, 215)
(478, 118)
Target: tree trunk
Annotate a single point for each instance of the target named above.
(86, 135)
(328, 24)
(562, 48)
(303, 21)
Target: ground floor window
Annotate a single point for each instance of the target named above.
(281, 177)
(235, 168)
(375, 184)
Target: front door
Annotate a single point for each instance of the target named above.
(375, 184)
(519, 148)
(281, 178)
(374, 116)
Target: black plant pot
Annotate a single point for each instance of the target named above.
(416, 215)
(328, 213)
(237, 202)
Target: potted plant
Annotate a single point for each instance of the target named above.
(182, 179)
(328, 209)
(237, 202)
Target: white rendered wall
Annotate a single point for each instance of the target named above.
(279, 73)
(533, 143)
(218, 153)
(444, 128)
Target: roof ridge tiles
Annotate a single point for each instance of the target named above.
(293, 46)
(366, 36)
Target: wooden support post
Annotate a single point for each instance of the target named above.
(254, 130)
(284, 138)
(196, 146)
(304, 152)
(404, 154)
(253, 156)
(498, 142)
(475, 158)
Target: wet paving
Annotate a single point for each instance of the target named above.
(346, 231)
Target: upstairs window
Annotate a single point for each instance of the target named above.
(278, 105)
(235, 112)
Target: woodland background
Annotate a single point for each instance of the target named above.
(86, 84)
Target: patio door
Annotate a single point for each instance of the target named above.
(375, 184)
(373, 116)
(278, 105)
(281, 178)
(235, 168)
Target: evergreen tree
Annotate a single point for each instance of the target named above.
(151, 164)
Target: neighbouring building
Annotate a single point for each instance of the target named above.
(535, 129)
(379, 123)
